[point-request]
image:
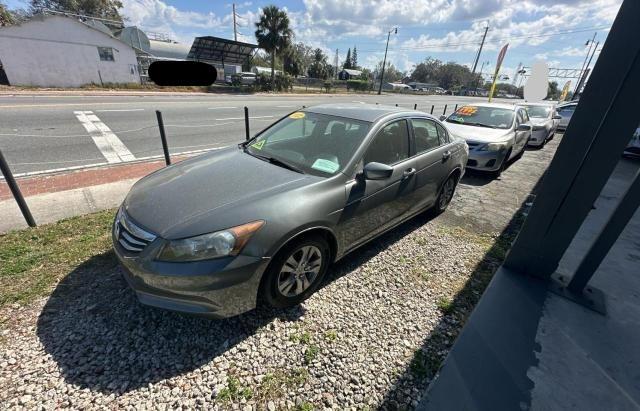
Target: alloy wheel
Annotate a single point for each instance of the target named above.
(299, 271)
(447, 193)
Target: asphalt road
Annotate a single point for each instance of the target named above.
(40, 133)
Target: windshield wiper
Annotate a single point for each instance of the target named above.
(480, 125)
(275, 161)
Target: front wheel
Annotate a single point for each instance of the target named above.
(296, 272)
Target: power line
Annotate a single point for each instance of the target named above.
(497, 40)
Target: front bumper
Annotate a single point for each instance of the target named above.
(538, 137)
(218, 288)
(485, 160)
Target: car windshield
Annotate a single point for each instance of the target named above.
(538, 111)
(492, 117)
(313, 143)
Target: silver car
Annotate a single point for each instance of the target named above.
(495, 133)
(565, 112)
(544, 121)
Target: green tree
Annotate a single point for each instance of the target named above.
(428, 71)
(273, 33)
(107, 9)
(292, 61)
(347, 60)
(354, 59)
(391, 73)
(319, 68)
(554, 92)
(6, 18)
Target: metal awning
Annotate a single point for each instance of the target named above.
(217, 50)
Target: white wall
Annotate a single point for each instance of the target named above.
(56, 51)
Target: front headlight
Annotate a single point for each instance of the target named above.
(212, 245)
(494, 147)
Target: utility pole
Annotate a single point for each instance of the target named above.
(384, 62)
(475, 63)
(588, 43)
(336, 73)
(235, 24)
(583, 79)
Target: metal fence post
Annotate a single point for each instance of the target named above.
(431, 109)
(15, 190)
(246, 123)
(163, 138)
(415, 106)
(455, 108)
(445, 110)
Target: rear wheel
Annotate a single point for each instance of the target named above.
(296, 272)
(446, 194)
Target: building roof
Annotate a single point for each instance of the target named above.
(352, 72)
(217, 49)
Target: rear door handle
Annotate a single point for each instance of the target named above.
(408, 173)
(446, 155)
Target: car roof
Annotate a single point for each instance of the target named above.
(495, 105)
(363, 112)
(542, 104)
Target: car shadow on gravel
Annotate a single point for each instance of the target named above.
(103, 339)
(428, 358)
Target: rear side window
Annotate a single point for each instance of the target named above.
(426, 135)
(442, 133)
(390, 145)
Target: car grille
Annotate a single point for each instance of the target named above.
(131, 237)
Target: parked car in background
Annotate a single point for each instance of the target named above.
(263, 220)
(565, 111)
(544, 121)
(633, 149)
(244, 78)
(495, 133)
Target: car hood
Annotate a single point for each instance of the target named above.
(479, 134)
(193, 196)
(539, 121)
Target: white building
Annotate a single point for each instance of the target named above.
(58, 51)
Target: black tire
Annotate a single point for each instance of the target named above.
(447, 191)
(275, 275)
(503, 165)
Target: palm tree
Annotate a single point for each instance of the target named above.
(273, 33)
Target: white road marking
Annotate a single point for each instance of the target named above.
(286, 106)
(358, 101)
(107, 142)
(118, 110)
(242, 118)
(220, 108)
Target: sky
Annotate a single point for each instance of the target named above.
(554, 31)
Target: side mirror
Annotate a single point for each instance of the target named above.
(442, 117)
(557, 117)
(524, 127)
(377, 171)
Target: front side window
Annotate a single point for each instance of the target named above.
(106, 54)
(317, 144)
(480, 116)
(390, 145)
(426, 135)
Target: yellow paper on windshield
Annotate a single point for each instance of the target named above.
(327, 166)
(297, 115)
(467, 111)
(258, 145)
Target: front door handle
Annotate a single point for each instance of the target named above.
(446, 155)
(408, 173)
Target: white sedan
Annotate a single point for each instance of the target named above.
(544, 120)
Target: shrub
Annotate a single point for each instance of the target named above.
(328, 85)
(358, 85)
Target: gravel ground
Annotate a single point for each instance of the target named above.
(93, 345)
(372, 337)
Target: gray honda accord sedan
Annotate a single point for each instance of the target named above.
(262, 221)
